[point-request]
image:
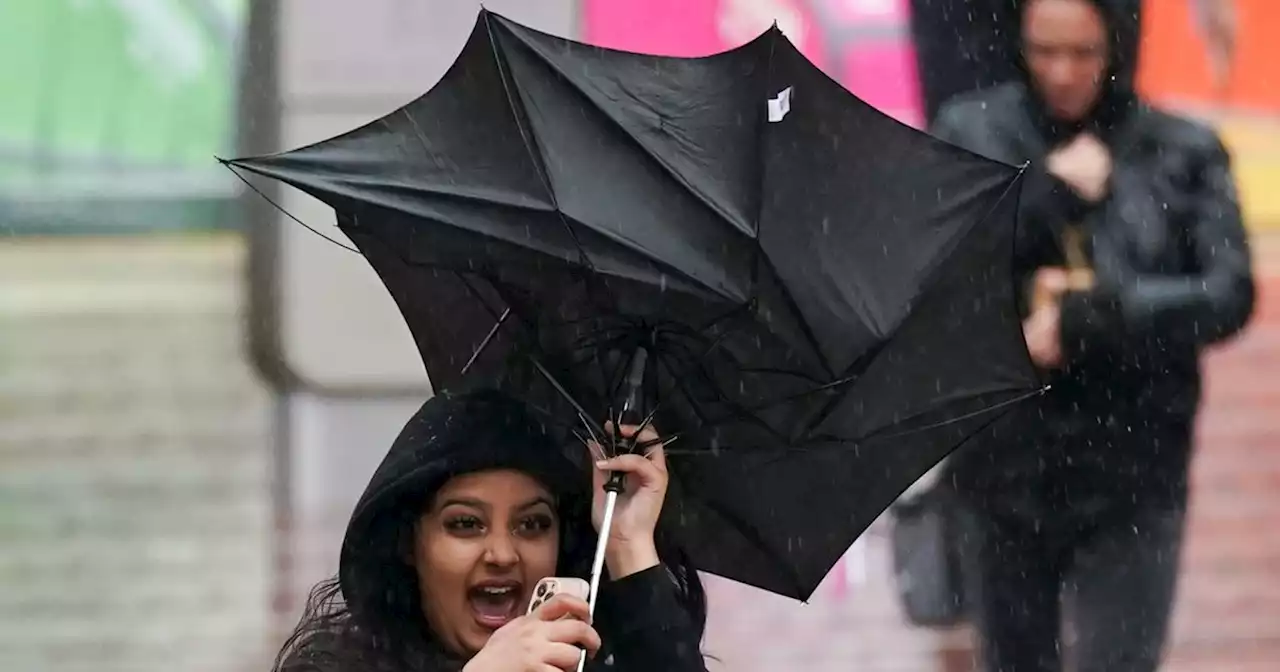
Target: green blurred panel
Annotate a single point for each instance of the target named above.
(21, 26)
(100, 94)
(129, 79)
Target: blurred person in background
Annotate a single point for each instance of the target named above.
(472, 506)
(968, 45)
(1135, 259)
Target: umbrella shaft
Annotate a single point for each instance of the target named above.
(597, 563)
(635, 382)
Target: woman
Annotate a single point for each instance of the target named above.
(1134, 252)
(968, 45)
(471, 507)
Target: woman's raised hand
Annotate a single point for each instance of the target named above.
(631, 546)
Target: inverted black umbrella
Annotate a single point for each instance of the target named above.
(817, 300)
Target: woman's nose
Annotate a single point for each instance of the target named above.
(501, 550)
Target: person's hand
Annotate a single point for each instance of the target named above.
(1042, 328)
(1048, 285)
(1084, 164)
(1043, 331)
(543, 641)
(631, 546)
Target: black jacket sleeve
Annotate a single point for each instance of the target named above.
(1197, 309)
(1044, 197)
(644, 626)
(1044, 202)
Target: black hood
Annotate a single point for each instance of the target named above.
(449, 436)
(1119, 94)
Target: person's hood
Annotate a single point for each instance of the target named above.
(1119, 93)
(449, 436)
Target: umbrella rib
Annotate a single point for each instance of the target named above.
(555, 384)
(615, 237)
(1004, 193)
(772, 371)
(753, 537)
(852, 372)
(798, 315)
(279, 207)
(537, 363)
(667, 168)
(860, 365)
(484, 345)
(509, 82)
(734, 410)
(693, 403)
(697, 368)
(535, 156)
(761, 257)
(818, 442)
(762, 120)
(1000, 406)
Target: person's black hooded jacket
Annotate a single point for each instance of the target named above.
(1168, 247)
(369, 619)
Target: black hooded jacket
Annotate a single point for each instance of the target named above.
(651, 620)
(1167, 245)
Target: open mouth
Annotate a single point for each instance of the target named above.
(495, 604)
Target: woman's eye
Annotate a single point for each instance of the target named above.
(464, 524)
(535, 525)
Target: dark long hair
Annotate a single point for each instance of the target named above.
(384, 630)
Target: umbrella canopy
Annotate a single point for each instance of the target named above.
(824, 295)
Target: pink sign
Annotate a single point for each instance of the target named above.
(692, 27)
(863, 44)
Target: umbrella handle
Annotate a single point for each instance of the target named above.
(617, 482)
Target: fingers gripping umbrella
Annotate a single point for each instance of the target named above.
(816, 300)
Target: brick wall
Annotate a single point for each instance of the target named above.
(1228, 614)
(134, 528)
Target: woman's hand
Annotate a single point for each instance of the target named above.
(1043, 332)
(1084, 164)
(631, 546)
(549, 639)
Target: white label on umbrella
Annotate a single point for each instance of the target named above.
(780, 105)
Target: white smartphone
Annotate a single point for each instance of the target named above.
(555, 585)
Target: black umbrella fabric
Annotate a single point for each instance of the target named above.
(824, 295)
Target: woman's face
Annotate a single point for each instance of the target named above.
(486, 539)
(1066, 52)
